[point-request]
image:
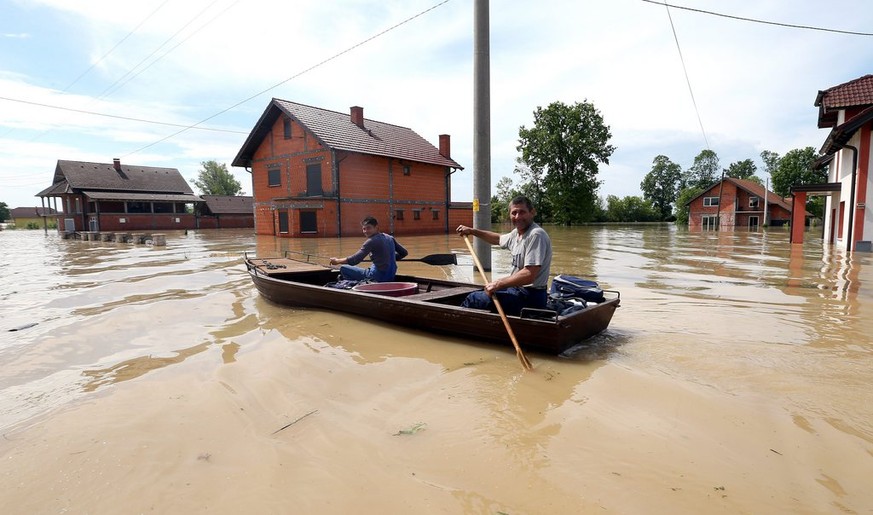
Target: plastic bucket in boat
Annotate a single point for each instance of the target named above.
(390, 289)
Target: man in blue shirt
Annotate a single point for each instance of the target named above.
(382, 248)
(531, 248)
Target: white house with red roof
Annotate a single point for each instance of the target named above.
(847, 109)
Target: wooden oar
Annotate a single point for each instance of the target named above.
(521, 357)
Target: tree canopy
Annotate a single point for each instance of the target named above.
(795, 167)
(661, 185)
(4, 212)
(744, 169)
(564, 147)
(214, 179)
(703, 172)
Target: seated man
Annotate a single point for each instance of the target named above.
(531, 247)
(382, 248)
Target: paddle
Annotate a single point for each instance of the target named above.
(434, 259)
(431, 259)
(521, 357)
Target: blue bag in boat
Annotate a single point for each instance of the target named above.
(568, 286)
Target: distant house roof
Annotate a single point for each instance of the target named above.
(229, 205)
(751, 187)
(117, 181)
(337, 131)
(855, 93)
(31, 212)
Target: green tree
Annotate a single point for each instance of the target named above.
(703, 172)
(630, 209)
(565, 144)
(795, 167)
(500, 201)
(214, 179)
(661, 185)
(771, 161)
(4, 212)
(685, 197)
(744, 169)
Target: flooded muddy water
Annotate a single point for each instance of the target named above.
(735, 378)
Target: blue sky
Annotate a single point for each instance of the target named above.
(220, 62)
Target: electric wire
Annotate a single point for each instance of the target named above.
(687, 79)
(307, 70)
(128, 118)
(765, 22)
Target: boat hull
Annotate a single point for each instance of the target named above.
(434, 308)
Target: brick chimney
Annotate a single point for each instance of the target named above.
(358, 116)
(116, 162)
(446, 146)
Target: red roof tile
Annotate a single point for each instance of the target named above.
(337, 131)
(858, 92)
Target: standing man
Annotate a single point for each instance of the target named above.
(526, 285)
(382, 248)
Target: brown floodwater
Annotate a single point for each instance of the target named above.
(735, 378)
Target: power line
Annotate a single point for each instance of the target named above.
(122, 40)
(128, 118)
(687, 80)
(765, 22)
(325, 61)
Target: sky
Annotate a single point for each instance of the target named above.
(93, 80)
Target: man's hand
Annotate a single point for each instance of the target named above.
(463, 230)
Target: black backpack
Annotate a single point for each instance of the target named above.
(569, 287)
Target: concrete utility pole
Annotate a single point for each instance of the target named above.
(481, 129)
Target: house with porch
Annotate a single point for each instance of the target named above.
(116, 197)
(318, 173)
(737, 203)
(847, 109)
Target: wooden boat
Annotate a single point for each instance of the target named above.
(430, 304)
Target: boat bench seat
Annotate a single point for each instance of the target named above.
(440, 294)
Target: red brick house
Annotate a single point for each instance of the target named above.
(847, 109)
(731, 203)
(113, 197)
(317, 173)
(225, 212)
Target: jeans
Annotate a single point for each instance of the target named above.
(511, 299)
(354, 273)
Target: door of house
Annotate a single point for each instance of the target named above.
(709, 222)
(833, 224)
(283, 222)
(753, 223)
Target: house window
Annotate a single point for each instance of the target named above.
(283, 222)
(139, 207)
(436, 214)
(709, 222)
(710, 201)
(274, 177)
(78, 205)
(416, 214)
(313, 180)
(308, 222)
(398, 215)
(286, 126)
(754, 201)
(407, 169)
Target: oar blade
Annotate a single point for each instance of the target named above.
(440, 259)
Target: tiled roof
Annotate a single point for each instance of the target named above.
(752, 187)
(228, 204)
(855, 93)
(31, 212)
(337, 131)
(80, 175)
(858, 92)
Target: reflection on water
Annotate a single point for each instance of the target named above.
(742, 311)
